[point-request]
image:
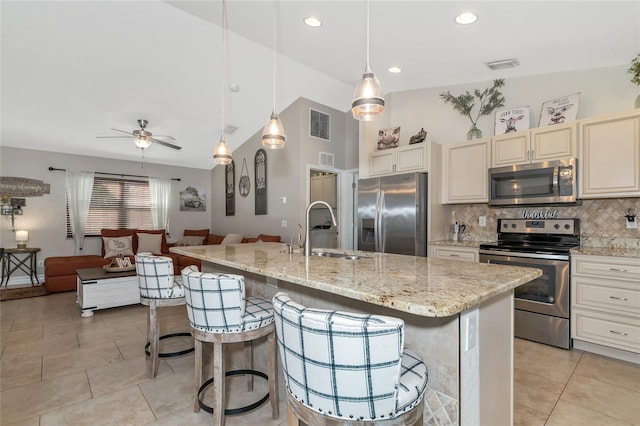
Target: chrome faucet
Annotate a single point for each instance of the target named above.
(307, 237)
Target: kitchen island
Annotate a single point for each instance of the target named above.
(458, 317)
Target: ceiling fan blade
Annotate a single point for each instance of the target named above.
(122, 131)
(165, 137)
(113, 137)
(170, 145)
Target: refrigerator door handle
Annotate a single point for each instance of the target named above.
(376, 224)
(381, 222)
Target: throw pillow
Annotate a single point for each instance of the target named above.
(232, 239)
(190, 240)
(118, 246)
(269, 238)
(151, 243)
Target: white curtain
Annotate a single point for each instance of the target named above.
(159, 194)
(78, 189)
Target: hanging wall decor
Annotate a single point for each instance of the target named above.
(193, 199)
(244, 186)
(230, 188)
(261, 182)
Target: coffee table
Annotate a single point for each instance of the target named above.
(98, 289)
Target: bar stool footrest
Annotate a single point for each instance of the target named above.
(234, 411)
(170, 354)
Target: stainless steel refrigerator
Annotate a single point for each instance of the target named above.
(392, 214)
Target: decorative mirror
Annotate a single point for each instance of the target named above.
(261, 182)
(244, 186)
(230, 188)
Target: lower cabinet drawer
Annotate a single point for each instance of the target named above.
(616, 331)
(614, 295)
(470, 255)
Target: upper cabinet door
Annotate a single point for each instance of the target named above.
(412, 158)
(465, 172)
(510, 149)
(554, 142)
(610, 156)
(382, 163)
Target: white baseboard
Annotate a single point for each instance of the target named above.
(606, 351)
(22, 281)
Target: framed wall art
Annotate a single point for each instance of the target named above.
(230, 188)
(511, 120)
(261, 182)
(319, 125)
(560, 110)
(389, 137)
(193, 199)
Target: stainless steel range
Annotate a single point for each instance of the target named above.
(541, 306)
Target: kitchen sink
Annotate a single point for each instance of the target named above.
(337, 255)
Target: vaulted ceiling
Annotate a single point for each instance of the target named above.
(73, 70)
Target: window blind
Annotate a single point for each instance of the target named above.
(117, 203)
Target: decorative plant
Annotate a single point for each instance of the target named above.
(488, 100)
(634, 69)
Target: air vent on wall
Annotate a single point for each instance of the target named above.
(326, 159)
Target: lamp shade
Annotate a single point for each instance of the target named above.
(222, 153)
(273, 136)
(21, 238)
(368, 102)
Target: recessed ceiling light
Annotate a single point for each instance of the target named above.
(466, 18)
(312, 21)
(394, 70)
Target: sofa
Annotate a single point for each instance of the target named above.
(60, 271)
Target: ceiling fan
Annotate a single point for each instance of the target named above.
(142, 138)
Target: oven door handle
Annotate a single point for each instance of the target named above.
(527, 255)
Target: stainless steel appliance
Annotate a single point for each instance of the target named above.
(392, 214)
(549, 182)
(541, 306)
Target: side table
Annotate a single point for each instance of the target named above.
(11, 262)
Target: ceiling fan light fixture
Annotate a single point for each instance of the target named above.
(142, 141)
(222, 153)
(273, 136)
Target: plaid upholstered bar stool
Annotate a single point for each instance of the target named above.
(220, 312)
(344, 368)
(158, 288)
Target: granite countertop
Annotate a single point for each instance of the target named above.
(418, 285)
(608, 251)
(459, 243)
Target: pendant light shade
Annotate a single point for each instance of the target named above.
(142, 142)
(368, 102)
(222, 153)
(273, 136)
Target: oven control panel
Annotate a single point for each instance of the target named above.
(539, 226)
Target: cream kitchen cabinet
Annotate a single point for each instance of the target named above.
(605, 301)
(465, 172)
(466, 254)
(404, 159)
(609, 153)
(323, 188)
(535, 145)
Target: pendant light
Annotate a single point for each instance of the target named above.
(222, 153)
(368, 102)
(273, 136)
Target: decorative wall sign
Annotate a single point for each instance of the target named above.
(193, 199)
(511, 120)
(560, 110)
(389, 138)
(261, 182)
(230, 188)
(418, 137)
(319, 125)
(23, 187)
(244, 186)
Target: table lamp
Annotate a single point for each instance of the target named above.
(21, 238)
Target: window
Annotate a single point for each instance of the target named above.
(117, 203)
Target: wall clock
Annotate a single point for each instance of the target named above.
(244, 186)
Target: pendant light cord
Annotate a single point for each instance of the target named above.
(224, 64)
(275, 29)
(368, 31)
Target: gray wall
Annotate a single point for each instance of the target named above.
(286, 172)
(44, 217)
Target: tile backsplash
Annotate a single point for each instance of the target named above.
(602, 222)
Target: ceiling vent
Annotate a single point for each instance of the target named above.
(326, 159)
(503, 64)
(229, 129)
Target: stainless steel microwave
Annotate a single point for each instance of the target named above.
(549, 182)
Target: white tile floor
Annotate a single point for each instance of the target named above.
(58, 368)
